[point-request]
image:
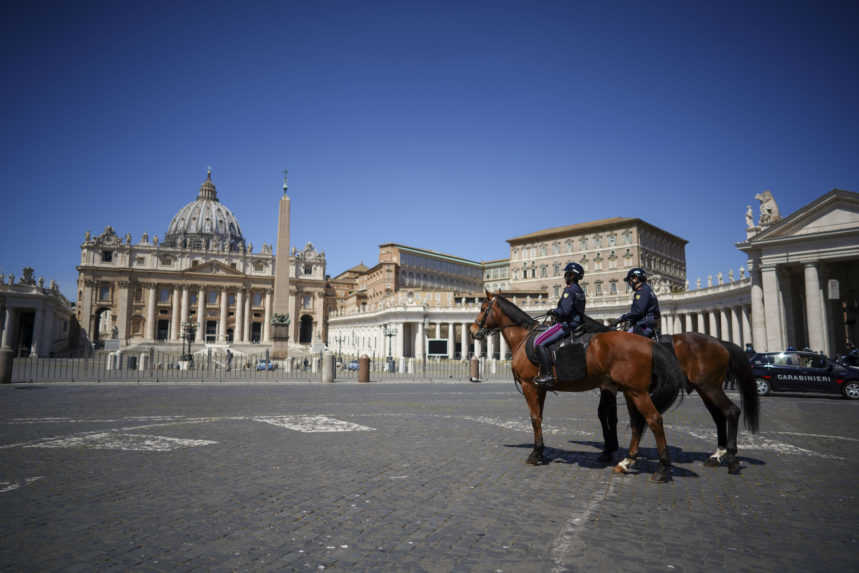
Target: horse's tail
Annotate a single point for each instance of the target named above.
(741, 370)
(668, 378)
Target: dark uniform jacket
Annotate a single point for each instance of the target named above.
(645, 308)
(571, 307)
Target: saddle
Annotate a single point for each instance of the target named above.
(568, 353)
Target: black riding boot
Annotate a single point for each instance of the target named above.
(545, 379)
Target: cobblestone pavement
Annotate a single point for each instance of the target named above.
(406, 477)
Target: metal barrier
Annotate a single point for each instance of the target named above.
(157, 366)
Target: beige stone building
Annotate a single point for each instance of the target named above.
(606, 249)
(203, 273)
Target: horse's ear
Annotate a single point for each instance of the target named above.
(488, 294)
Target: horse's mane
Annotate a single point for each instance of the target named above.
(514, 313)
(592, 325)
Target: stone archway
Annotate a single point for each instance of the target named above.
(103, 324)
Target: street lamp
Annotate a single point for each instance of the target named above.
(188, 331)
(389, 332)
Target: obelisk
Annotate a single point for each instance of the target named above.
(280, 316)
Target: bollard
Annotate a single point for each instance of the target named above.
(475, 369)
(328, 366)
(6, 356)
(364, 368)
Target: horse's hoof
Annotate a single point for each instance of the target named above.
(661, 476)
(534, 461)
(606, 456)
(734, 468)
(712, 463)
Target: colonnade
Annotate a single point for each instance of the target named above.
(180, 312)
(731, 323)
(409, 339)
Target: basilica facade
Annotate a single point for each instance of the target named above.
(203, 281)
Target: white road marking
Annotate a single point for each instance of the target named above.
(817, 436)
(568, 540)
(121, 441)
(7, 486)
(759, 443)
(312, 424)
(520, 426)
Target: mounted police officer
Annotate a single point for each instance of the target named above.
(644, 314)
(569, 314)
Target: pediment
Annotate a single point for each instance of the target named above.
(213, 268)
(834, 212)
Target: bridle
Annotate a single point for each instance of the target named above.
(481, 326)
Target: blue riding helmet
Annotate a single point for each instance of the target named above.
(636, 272)
(575, 270)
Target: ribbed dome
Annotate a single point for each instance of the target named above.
(205, 222)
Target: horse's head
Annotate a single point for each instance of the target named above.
(487, 320)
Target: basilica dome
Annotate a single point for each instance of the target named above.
(205, 223)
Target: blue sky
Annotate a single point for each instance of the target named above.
(451, 126)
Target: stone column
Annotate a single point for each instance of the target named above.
(714, 324)
(464, 342)
(201, 315)
(736, 335)
(246, 329)
(451, 340)
(702, 322)
(758, 322)
(7, 353)
(420, 351)
(240, 307)
(772, 311)
(186, 311)
(678, 325)
(150, 313)
(814, 308)
(9, 328)
(689, 327)
(266, 325)
(174, 315)
(86, 308)
(222, 323)
(490, 345)
(746, 323)
(37, 330)
(502, 346)
(122, 315)
(725, 330)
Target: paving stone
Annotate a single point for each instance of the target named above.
(438, 484)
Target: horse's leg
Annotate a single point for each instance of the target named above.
(607, 413)
(731, 415)
(636, 424)
(535, 398)
(715, 458)
(654, 420)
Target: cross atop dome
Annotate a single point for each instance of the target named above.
(207, 189)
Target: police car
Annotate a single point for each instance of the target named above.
(803, 372)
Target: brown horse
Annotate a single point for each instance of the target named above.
(706, 362)
(645, 372)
